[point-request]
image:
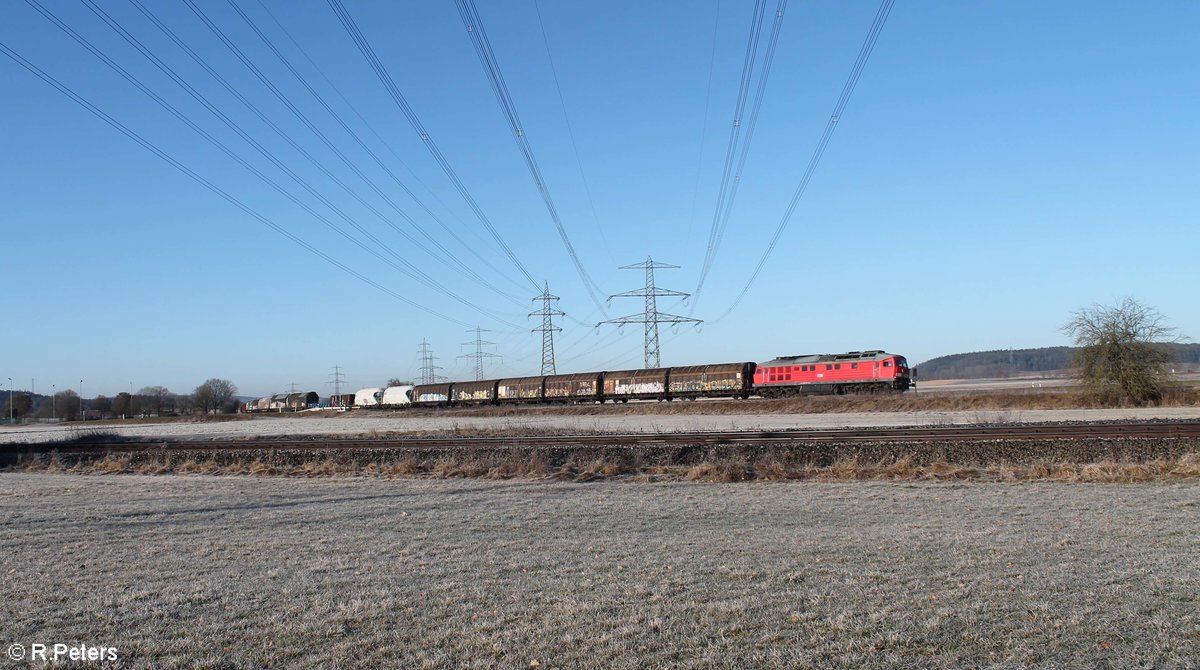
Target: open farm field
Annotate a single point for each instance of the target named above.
(248, 572)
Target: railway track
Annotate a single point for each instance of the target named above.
(1016, 432)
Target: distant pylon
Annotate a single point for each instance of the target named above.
(652, 317)
(479, 354)
(429, 373)
(547, 312)
(337, 380)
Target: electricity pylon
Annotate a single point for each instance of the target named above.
(651, 317)
(479, 354)
(338, 379)
(429, 373)
(547, 312)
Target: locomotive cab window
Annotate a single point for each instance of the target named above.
(837, 366)
(828, 367)
(854, 366)
(887, 364)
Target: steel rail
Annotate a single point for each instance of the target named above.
(1020, 432)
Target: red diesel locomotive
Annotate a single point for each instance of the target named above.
(852, 372)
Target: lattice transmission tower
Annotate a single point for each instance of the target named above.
(651, 317)
(479, 354)
(338, 378)
(547, 312)
(429, 373)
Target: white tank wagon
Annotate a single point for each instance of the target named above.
(397, 396)
(368, 397)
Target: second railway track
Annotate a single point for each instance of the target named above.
(1016, 432)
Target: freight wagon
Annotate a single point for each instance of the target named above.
(521, 389)
(852, 372)
(283, 402)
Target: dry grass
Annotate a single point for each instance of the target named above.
(240, 572)
(904, 463)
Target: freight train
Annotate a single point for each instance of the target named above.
(852, 372)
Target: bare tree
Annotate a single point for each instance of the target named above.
(1121, 351)
(184, 403)
(396, 381)
(102, 404)
(20, 404)
(122, 405)
(214, 394)
(64, 405)
(155, 398)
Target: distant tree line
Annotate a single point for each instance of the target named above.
(214, 396)
(1004, 363)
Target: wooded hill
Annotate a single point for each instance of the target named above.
(1021, 362)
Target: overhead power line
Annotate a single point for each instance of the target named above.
(748, 59)
(383, 142)
(587, 189)
(149, 146)
(864, 54)
(721, 218)
(738, 145)
(452, 258)
(389, 84)
(491, 66)
(395, 261)
(712, 59)
(404, 266)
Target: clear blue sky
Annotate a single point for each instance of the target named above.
(1000, 165)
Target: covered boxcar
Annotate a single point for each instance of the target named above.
(296, 402)
(583, 387)
(343, 400)
(625, 385)
(520, 389)
(397, 396)
(473, 393)
(712, 381)
(431, 394)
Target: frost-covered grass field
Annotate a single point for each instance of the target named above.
(197, 571)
